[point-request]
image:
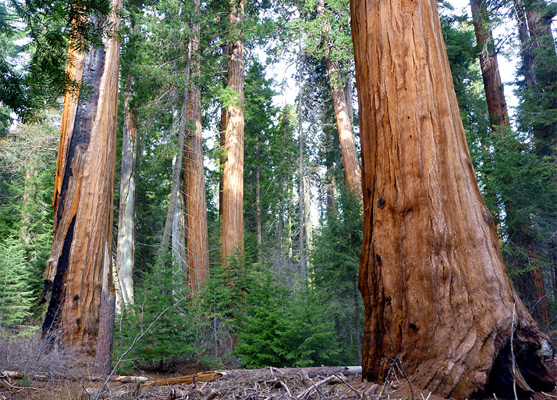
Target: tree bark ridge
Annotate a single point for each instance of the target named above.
(435, 289)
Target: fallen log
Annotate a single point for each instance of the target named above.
(232, 374)
(46, 377)
(187, 379)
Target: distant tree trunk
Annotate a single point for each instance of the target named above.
(125, 253)
(258, 216)
(301, 190)
(177, 164)
(222, 138)
(533, 34)
(435, 289)
(233, 174)
(348, 94)
(537, 43)
(525, 44)
(83, 198)
(222, 158)
(107, 307)
(330, 185)
(178, 232)
(29, 197)
(493, 86)
(343, 113)
(194, 178)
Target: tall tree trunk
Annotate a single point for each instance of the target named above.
(29, 197)
(177, 164)
(222, 158)
(178, 233)
(343, 112)
(493, 86)
(436, 293)
(258, 216)
(301, 191)
(125, 253)
(330, 185)
(194, 178)
(533, 33)
(222, 136)
(83, 197)
(536, 40)
(233, 173)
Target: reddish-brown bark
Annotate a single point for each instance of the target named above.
(494, 92)
(83, 197)
(435, 289)
(233, 173)
(197, 245)
(343, 113)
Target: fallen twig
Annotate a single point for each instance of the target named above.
(313, 387)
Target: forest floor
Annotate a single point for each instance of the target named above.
(28, 371)
(264, 384)
(272, 384)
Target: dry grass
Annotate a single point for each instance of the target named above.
(34, 355)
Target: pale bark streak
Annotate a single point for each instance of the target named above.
(177, 162)
(125, 253)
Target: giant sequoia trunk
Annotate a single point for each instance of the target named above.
(79, 269)
(233, 173)
(435, 289)
(194, 179)
(343, 112)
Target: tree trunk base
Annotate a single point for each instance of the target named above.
(534, 368)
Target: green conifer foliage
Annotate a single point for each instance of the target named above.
(16, 294)
(161, 314)
(336, 261)
(281, 329)
(27, 162)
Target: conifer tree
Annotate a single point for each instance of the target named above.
(79, 271)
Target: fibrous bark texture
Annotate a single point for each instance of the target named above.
(343, 113)
(81, 249)
(197, 244)
(435, 289)
(494, 93)
(233, 174)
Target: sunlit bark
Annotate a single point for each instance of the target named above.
(436, 292)
(83, 197)
(233, 173)
(194, 179)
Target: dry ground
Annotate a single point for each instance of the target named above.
(261, 385)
